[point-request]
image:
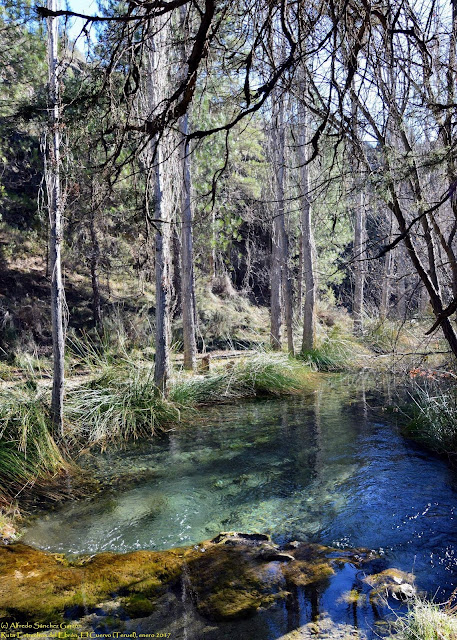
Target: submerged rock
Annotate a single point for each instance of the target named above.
(227, 578)
(391, 583)
(234, 537)
(7, 533)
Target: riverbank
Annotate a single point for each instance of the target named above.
(111, 397)
(281, 463)
(117, 401)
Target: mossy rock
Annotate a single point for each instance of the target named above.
(392, 583)
(41, 586)
(229, 577)
(229, 604)
(227, 582)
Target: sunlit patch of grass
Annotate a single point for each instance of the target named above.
(382, 336)
(427, 621)
(335, 354)
(227, 318)
(262, 374)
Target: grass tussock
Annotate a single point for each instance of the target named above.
(28, 450)
(260, 375)
(434, 415)
(122, 403)
(336, 352)
(428, 621)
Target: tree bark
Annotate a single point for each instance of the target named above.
(95, 264)
(187, 276)
(187, 256)
(359, 231)
(162, 236)
(386, 287)
(281, 285)
(359, 265)
(55, 217)
(162, 279)
(306, 243)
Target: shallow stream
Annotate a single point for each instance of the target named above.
(330, 466)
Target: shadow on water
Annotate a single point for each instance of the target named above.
(328, 467)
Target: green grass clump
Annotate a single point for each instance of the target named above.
(336, 354)
(28, 451)
(122, 403)
(382, 336)
(427, 621)
(263, 374)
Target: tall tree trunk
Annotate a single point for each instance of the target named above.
(359, 230)
(55, 216)
(299, 301)
(95, 260)
(212, 255)
(281, 285)
(94, 267)
(386, 286)
(162, 278)
(276, 293)
(306, 241)
(176, 272)
(187, 276)
(359, 264)
(156, 74)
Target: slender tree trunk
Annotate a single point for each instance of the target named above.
(275, 296)
(187, 276)
(187, 255)
(280, 276)
(423, 300)
(359, 232)
(359, 264)
(94, 268)
(95, 262)
(162, 278)
(55, 217)
(212, 255)
(162, 236)
(386, 288)
(299, 302)
(309, 312)
(176, 270)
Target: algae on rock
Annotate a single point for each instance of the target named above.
(228, 578)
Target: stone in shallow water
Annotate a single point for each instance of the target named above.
(391, 583)
(228, 578)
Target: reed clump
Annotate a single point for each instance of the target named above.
(122, 403)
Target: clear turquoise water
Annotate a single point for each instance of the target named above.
(330, 466)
